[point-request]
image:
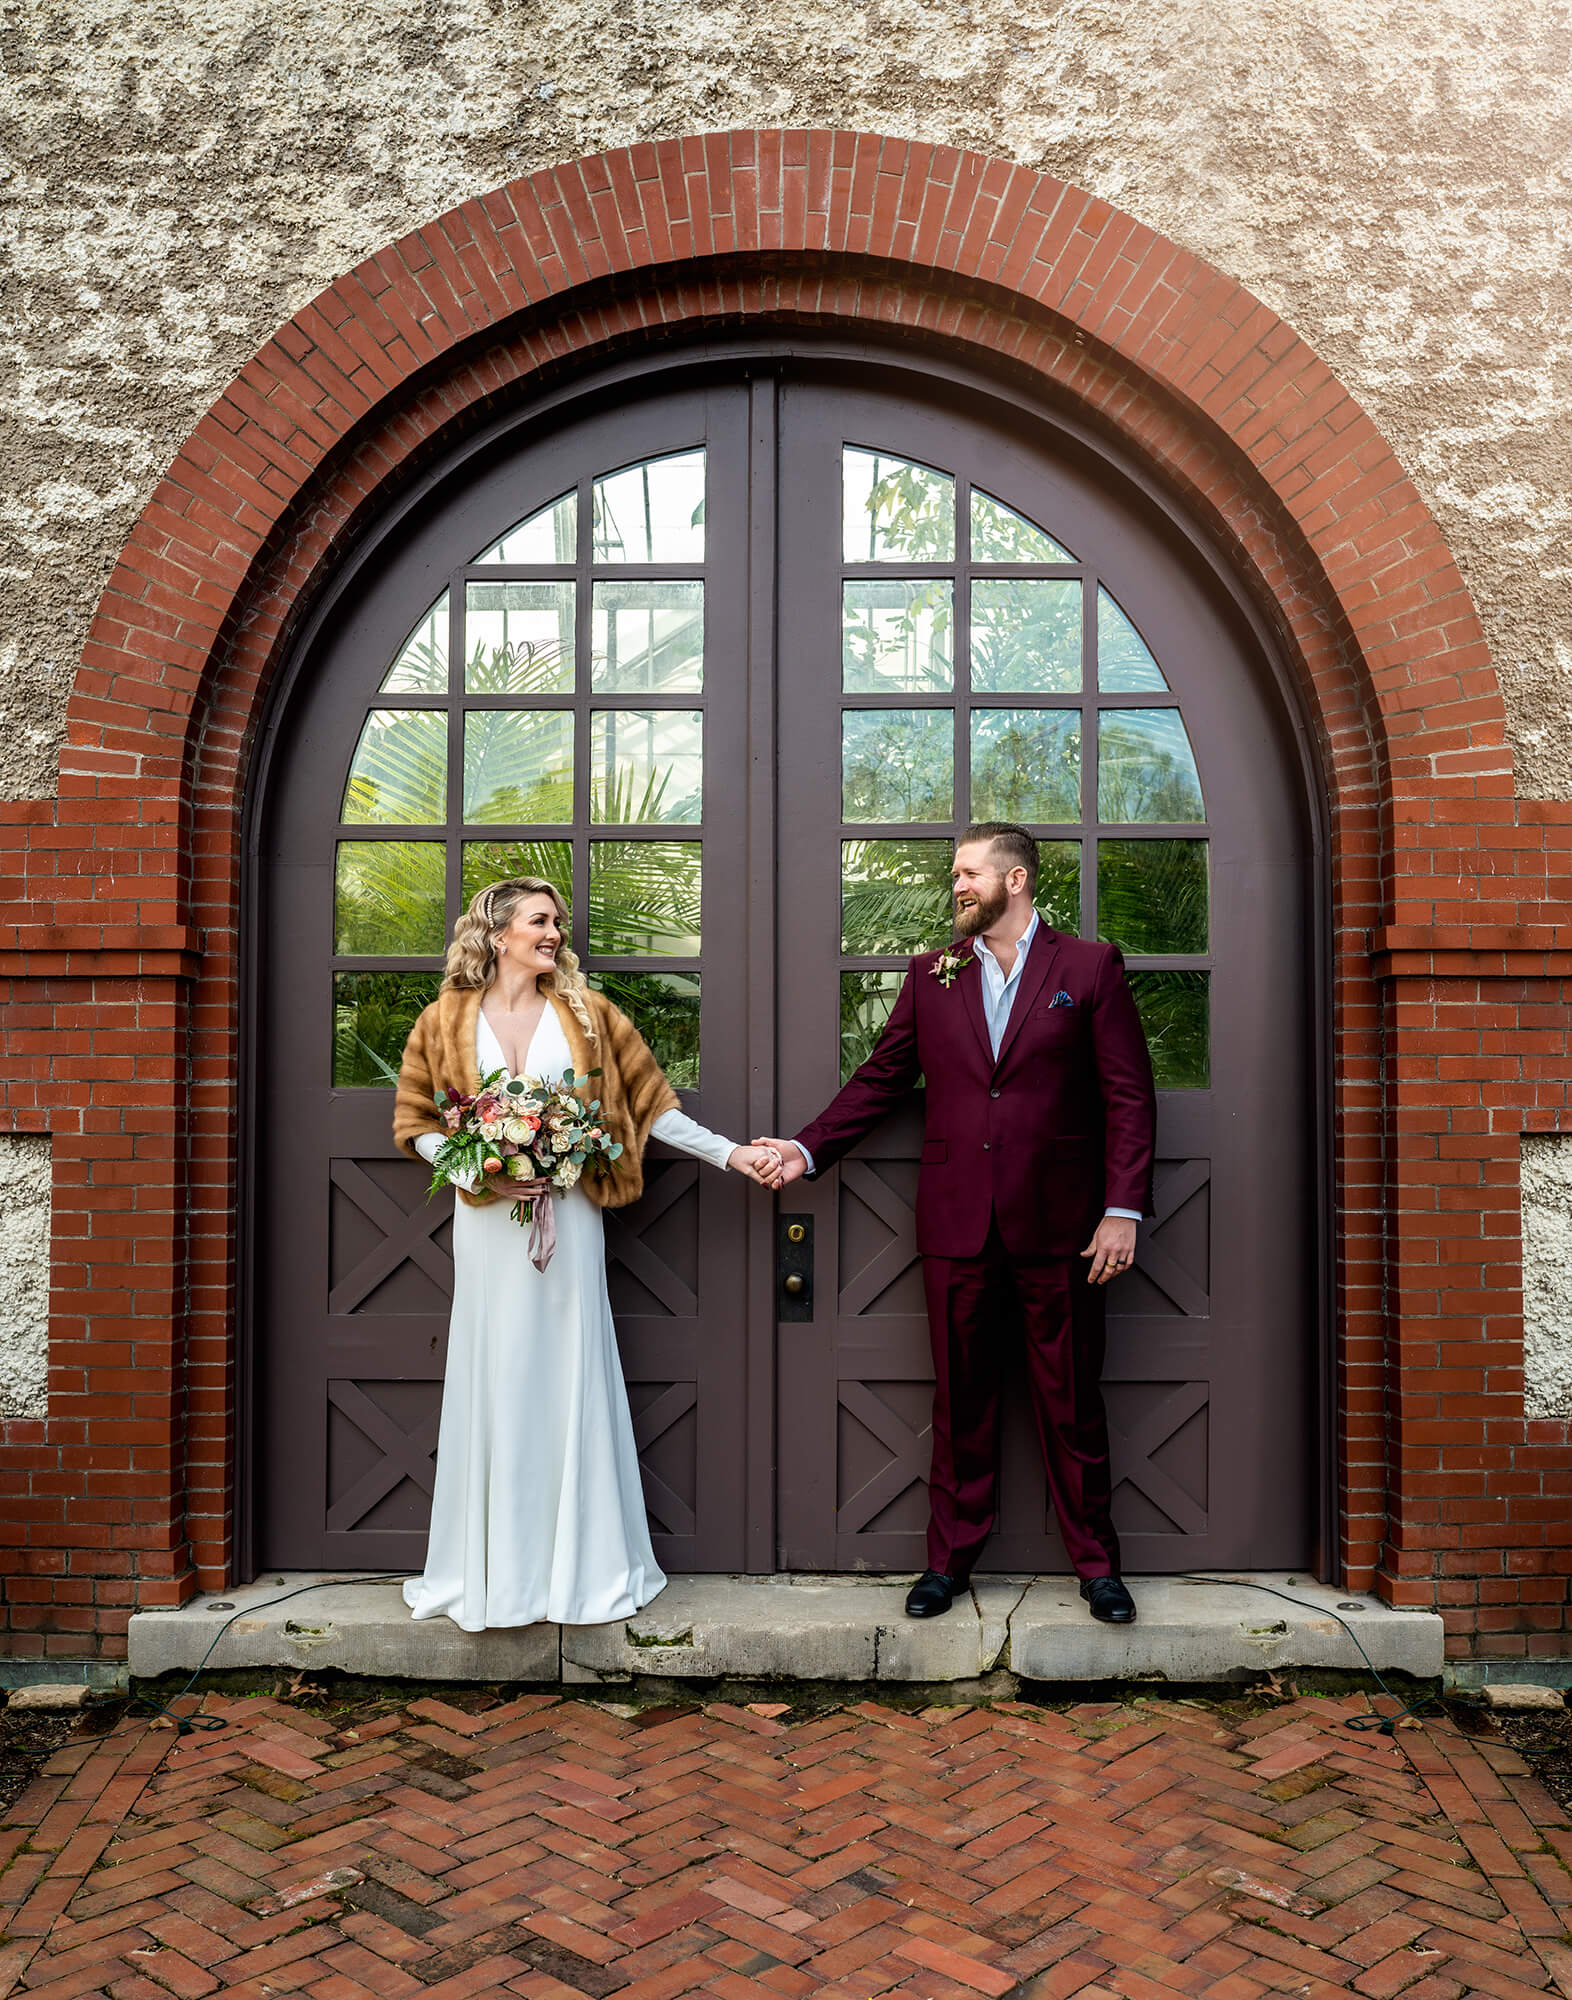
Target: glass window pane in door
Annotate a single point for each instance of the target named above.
(388, 898)
(1175, 1011)
(1026, 764)
(518, 767)
(897, 764)
(488, 861)
(518, 638)
(549, 535)
(422, 663)
(866, 1001)
(398, 775)
(999, 534)
(896, 637)
(895, 510)
(1146, 768)
(1124, 663)
(646, 765)
(895, 896)
(644, 898)
(373, 1013)
(647, 638)
(651, 513)
(1152, 895)
(1058, 895)
(664, 1007)
(1026, 635)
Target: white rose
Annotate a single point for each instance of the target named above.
(561, 1143)
(491, 1128)
(566, 1175)
(515, 1129)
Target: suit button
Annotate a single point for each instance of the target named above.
(994, 1092)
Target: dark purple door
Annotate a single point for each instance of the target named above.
(982, 630)
(541, 676)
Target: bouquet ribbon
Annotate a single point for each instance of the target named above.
(542, 1231)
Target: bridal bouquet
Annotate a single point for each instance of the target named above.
(522, 1128)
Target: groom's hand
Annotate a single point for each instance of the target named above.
(793, 1165)
(759, 1163)
(1112, 1249)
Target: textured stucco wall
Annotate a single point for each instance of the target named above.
(1391, 175)
(24, 1275)
(1547, 1274)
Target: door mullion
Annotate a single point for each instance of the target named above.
(759, 948)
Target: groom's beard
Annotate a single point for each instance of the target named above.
(987, 909)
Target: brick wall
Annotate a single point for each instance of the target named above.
(119, 907)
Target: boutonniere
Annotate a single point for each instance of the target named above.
(949, 963)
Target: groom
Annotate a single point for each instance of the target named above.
(1039, 1136)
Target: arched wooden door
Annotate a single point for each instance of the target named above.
(733, 663)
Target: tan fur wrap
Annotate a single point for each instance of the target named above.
(633, 1091)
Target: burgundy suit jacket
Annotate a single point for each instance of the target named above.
(1058, 1129)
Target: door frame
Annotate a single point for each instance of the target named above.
(922, 364)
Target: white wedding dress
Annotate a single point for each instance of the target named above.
(538, 1511)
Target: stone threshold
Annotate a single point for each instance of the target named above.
(807, 1628)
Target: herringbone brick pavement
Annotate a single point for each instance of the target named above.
(557, 1848)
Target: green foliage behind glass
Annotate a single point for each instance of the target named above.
(644, 898)
(398, 775)
(897, 764)
(518, 767)
(866, 1000)
(1026, 635)
(895, 510)
(895, 896)
(388, 898)
(373, 1013)
(664, 1007)
(1146, 768)
(1152, 895)
(1026, 764)
(1175, 1010)
(488, 861)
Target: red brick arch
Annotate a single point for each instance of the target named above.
(124, 933)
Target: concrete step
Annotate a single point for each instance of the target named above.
(812, 1628)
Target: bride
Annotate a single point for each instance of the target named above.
(538, 1511)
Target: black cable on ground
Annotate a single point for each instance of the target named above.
(186, 1725)
(1386, 1724)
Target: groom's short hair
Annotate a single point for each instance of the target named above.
(1012, 845)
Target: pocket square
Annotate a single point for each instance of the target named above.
(1062, 999)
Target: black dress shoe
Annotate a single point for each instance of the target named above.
(1107, 1599)
(932, 1593)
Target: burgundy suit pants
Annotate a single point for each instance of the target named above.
(971, 1303)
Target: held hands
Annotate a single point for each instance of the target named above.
(792, 1165)
(1112, 1249)
(760, 1162)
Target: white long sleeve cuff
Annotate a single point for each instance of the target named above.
(427, 1143)
(677, 1129)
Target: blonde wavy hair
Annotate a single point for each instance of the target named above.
(472, 956)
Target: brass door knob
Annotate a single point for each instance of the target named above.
(796, 1284)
